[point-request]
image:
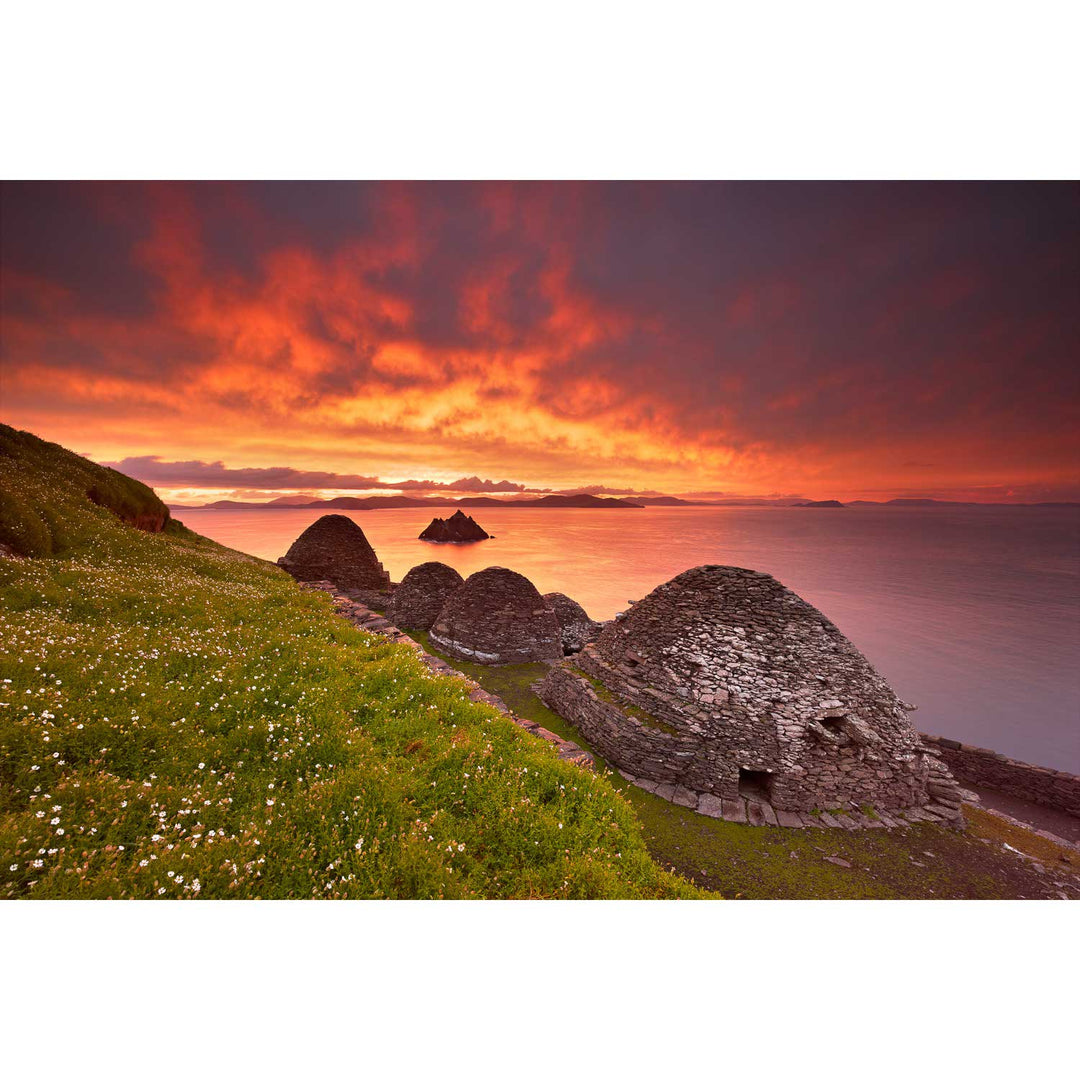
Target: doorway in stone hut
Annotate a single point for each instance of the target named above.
(755, 784)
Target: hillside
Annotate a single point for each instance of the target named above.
(33, 524)
(180, 720)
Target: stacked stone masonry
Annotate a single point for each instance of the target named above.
(335, 549)
(364, 618)
(497, 617)
(740, 810)
(420, 597)
(723, 683)
(575, 626)
(974, 765)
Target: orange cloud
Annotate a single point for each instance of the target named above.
(568, 335)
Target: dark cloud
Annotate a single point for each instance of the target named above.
(603, 489)
(215, 474)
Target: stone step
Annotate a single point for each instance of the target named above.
(685, 797)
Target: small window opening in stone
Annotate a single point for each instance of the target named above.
(832, 723)
(755, 783)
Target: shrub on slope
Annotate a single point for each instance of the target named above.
(180, 720)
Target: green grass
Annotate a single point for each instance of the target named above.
(180, 720)
(511, 682)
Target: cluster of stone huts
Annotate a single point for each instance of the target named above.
(497, 616)
(721, 684)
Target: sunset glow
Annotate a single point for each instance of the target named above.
(822, 340)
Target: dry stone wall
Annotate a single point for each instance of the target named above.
(575, 627)
(974, 765)
(363, 617)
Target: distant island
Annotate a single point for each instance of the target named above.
(580, 501)
(456, 529)
(398, 502)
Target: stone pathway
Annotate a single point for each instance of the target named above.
(750, 811)
(361, 616)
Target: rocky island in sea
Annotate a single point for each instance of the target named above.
(459, 528)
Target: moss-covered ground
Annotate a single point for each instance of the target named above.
(181, 720)
(746, 862)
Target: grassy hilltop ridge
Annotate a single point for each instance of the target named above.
(178, 719)
(34, 523)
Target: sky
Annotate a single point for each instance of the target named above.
(824, 340)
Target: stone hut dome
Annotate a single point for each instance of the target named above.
(497, 617)
(575, 626)
(420, 596)
(335, 549)
(725, 682)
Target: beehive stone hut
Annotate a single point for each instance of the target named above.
(459, 528)
(497, 617)
(421, 595)
(335, 549)
(724, 683)
(575, 626)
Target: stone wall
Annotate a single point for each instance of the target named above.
(974, 765)
(575, 626)
(634, 745)
(363, 617)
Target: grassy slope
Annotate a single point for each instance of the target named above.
(177, 719)
(738, 861)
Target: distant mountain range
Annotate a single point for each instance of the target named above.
(396, 502)
(594, 502)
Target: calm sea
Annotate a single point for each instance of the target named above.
(973, 614)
